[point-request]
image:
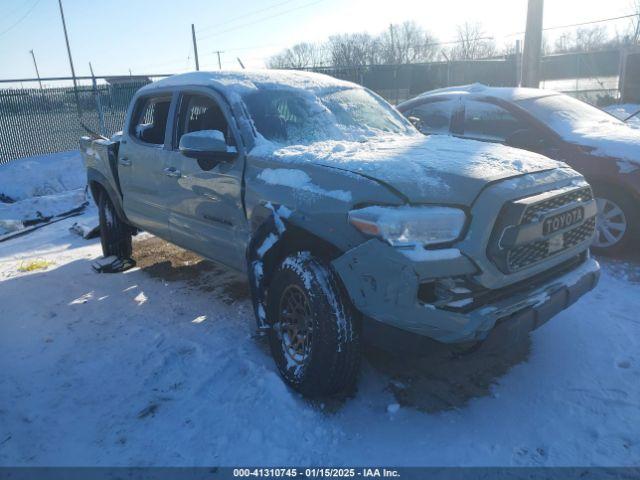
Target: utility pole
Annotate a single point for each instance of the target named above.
(195, 46)
(219, 62)
(35, 64)
(73, 71)
(531, 57)
(518, 62)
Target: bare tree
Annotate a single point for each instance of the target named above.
(564, 43)
(351, 50)
(472, 43)
(590, 39)
(406, 43)
(635, 23)
(301, 55)
(586, 39)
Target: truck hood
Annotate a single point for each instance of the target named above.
(433, 169)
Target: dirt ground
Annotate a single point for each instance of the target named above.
(165, 261)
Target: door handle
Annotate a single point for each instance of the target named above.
(172, 172)
(125, 162)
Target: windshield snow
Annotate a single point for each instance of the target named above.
(588, 126)
(293, 117)
(565, 114)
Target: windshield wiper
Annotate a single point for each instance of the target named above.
(631, 116)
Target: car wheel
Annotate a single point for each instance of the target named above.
(314, 335)
(615, 223)
(115, 235)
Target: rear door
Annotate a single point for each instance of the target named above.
(141, 162)
(206, 213)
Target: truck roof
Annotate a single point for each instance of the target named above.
(243, 80)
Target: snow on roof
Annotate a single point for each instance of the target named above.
(505, 93)
(239, 81)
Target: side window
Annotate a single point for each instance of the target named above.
(150, 121)
(434, 117)
(487, 121)
(198, 112)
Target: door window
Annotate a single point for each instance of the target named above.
(487, 121)
(434, 117)
(151, 120)
(198, 112)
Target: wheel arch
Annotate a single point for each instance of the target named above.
(275, 239)
(98, 185)
(605, 182)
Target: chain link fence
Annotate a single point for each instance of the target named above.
(38, 119)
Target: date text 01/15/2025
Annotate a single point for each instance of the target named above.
(316, 472)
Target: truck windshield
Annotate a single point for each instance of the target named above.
(294, 117)
(565, 114)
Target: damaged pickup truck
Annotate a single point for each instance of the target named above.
(350, 225)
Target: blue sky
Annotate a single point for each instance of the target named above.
(154, 36)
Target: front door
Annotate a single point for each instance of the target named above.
(141, 164)
(489, 122)
(206, 214)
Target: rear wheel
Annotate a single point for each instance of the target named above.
(115, 235)
(616, 224)
(314, 334)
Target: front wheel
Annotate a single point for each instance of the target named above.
(314, 334)
(615, 223)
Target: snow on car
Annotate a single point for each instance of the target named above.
(389, 237)
(604, 149)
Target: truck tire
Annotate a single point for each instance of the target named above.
(314, 335)
(115, 235)
(617, 221)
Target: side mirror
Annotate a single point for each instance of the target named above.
(415, 121)
(525, 139)
(203, 144)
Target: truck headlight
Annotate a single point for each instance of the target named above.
(409, 226)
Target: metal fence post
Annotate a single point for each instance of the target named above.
(102, 129)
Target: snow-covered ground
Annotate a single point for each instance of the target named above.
(35, 188)
(160, 366)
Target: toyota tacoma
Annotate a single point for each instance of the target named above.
(349, 224)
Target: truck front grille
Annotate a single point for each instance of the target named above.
(524, 255)
(580, 234)
(536, 210)
(515, 214)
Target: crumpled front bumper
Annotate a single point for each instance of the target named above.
(383, 284)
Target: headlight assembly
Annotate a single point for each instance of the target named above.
(410, 226)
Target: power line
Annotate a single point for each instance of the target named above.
(451, 42)
(256, 47)
(592, 22)
(232, 20)
(455, 42)
(559, 27)
(261, 19)
(19, 21)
